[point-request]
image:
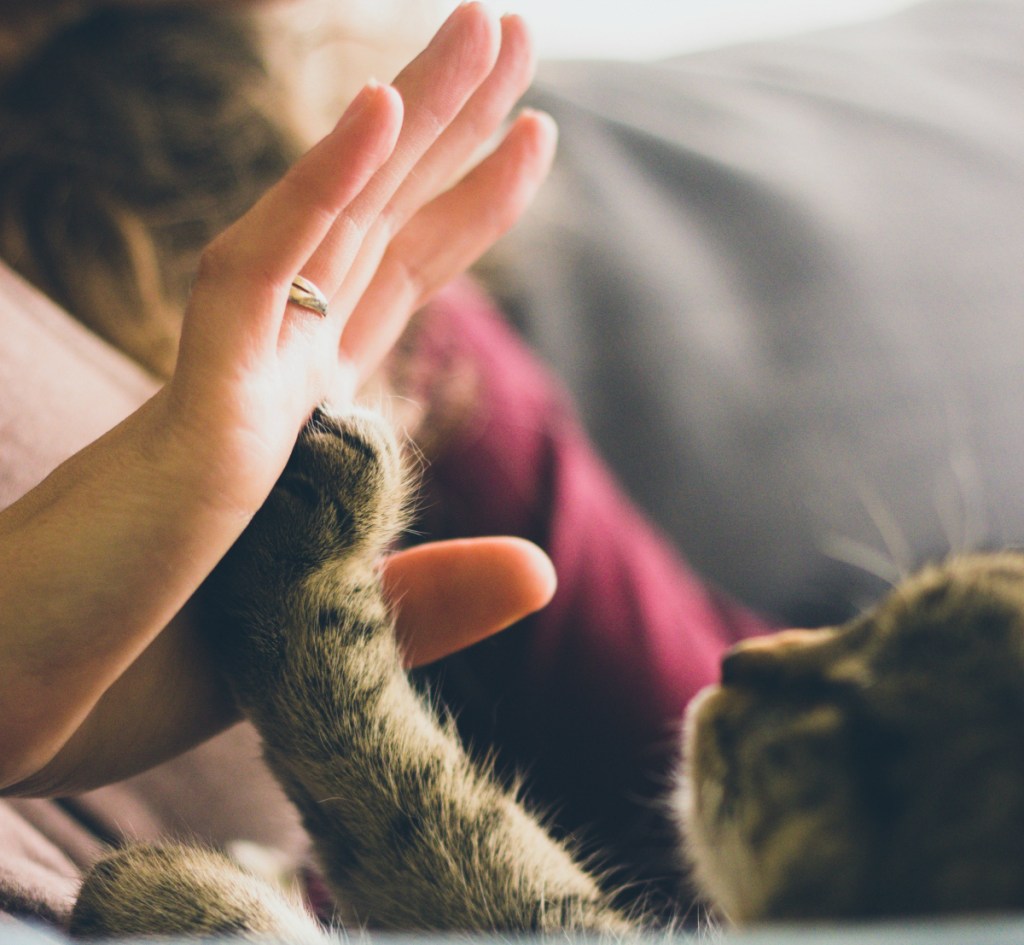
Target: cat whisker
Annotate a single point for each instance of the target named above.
(901, 556)
(862, 556)
(966, 469)
(961, 508)
(896, 559)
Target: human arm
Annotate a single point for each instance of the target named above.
(101, 556)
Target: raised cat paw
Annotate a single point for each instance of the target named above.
(341, 495)
(312, 548)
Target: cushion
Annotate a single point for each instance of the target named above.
(784, 283)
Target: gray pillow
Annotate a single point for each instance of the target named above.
(785, 282)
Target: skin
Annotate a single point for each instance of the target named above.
(109, 550)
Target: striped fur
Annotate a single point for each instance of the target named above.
(409, 832)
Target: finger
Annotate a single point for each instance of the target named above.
(447, 236)
(452, 594)
(241, 290)
(434, 87)
(474, 126)
(447, 158)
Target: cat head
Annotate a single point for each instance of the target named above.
(871, 769)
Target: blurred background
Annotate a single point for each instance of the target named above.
(650, 28)
(629, 29)
(351, 42)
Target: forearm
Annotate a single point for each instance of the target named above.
(169, 700)
(96, 561)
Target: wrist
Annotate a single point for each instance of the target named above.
(210, 456)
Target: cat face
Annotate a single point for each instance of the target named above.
(875, 768)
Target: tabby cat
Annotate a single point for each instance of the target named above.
(868, 770)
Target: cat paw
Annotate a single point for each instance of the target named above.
(340, 500)
(313, 545)
(173, 890)
(342, 493)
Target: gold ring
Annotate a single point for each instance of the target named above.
(307, 295)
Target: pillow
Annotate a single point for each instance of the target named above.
(785, 283)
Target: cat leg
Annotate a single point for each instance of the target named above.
(410, 833)
(182, 890)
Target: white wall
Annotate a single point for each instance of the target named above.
(645, 28)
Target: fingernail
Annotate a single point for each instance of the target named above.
(359, 104)
(451, 16)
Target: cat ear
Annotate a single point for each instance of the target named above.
(772, 657)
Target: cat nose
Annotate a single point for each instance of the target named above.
(762, 659)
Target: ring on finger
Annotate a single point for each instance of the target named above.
(307, 295)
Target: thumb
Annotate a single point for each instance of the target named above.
(450, 594)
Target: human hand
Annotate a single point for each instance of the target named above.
(364, 217)
(105, 554)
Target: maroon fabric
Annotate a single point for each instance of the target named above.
(586, 696)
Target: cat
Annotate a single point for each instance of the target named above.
(869, 770)
(873, 769)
